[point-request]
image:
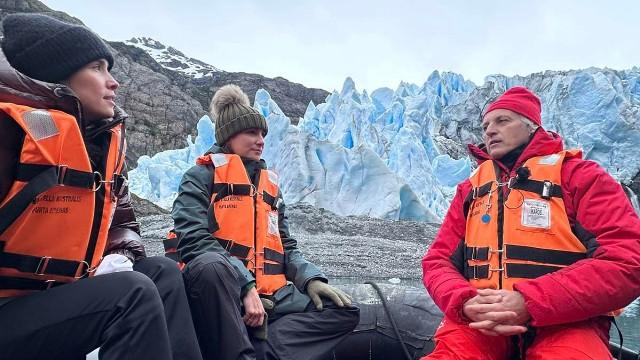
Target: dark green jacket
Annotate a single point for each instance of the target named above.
(194, 225)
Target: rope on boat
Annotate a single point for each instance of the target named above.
(391, 319)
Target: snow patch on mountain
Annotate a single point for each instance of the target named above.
(172, 59)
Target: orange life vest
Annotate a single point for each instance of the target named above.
(247, 219)
(55, 218)
(522, 233)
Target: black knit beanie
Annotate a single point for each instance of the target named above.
(232, 113)
(48, 49)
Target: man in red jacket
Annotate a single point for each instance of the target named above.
(538, 249)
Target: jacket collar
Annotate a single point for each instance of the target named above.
(542, 143)
(96, 128)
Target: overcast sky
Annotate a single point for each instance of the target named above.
(377, 43)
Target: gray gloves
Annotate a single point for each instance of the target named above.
(318, 288)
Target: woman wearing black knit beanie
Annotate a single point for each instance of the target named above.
(73, 272)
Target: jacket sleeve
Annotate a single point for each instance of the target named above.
(297, 268)
(124, 233)
(9, 152)
(194, 223)
(443, 263)
(603, 219)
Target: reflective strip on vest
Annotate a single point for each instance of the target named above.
(218, 160)
(61, 231)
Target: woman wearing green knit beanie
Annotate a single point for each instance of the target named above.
(244, 273)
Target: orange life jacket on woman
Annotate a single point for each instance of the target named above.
(522, 233)
(55, 218)
(247, 219)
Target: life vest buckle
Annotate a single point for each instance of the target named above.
(118, 185)
(474, 193)
(546, 189)
(49, 283)
(61, 172)
(42, 265)
(491, 271)
(228, 246)
(98, 179)
(85, 265)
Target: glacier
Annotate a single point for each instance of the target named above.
(321, 173)
(398, 154)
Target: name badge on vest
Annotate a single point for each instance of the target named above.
(536, 213)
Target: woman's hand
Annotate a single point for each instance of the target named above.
(253, 309)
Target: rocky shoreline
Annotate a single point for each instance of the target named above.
(344, 247)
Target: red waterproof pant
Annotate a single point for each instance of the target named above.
(579, 341)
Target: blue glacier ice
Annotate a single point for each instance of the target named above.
(597, 110)
(398, 154)
(320, 173)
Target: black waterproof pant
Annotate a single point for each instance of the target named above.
(168, 280)
(122, 313)
(213, 290)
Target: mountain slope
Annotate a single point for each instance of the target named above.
(165, 103)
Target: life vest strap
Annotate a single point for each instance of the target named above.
(170, 243)
(40, 178)
(14, 207)
(476, 253)
(475, 193)
(547, 256)
(119, 185)
(40, 265)
(13, 283)
(529, 271)
(65, 175)
(524, 271)
(546, 189)
(270, 200)
(238, 250)
(223, 190)
(476, 272)
(273, 269)
(273, 255)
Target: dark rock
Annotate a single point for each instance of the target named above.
(143, 207)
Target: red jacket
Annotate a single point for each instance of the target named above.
(599, 213)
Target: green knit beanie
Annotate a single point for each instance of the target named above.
(232, 113)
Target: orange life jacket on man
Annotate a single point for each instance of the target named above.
(55, 218)
(522, 233)
(247, 219)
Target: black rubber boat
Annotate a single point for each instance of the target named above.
(391, 312)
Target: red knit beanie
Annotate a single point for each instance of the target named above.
(521, 100)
